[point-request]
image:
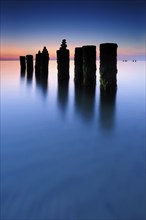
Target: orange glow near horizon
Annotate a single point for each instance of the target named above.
(12, 53)
(9, 52)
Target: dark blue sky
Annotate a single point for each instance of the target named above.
(27, 25)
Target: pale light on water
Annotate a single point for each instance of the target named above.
(70, 154)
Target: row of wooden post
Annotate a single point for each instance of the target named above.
(85, 64)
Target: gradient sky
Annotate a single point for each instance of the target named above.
(29, 25)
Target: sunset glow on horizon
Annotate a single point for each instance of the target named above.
(11, 53)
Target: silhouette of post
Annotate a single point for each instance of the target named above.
(44, 62)
(29, 59)
(63, 62)
(108, 66)
(22, 63)
(38, 63)
(41, 69)
(89, 65)
(78, 59)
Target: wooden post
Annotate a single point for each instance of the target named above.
(108, 66)
(63, 62)
(29, 59)
(38, 63)
(78, 61)
(44, 62)
(89, 65)
(22, 63)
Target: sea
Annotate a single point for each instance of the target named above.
(72, 154)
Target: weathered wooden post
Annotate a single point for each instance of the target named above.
(29, 59)
(44, 62)
(63, 62)
(22, 63)
(78, 61)
(108, 66)
(89, 65)
(38, 63)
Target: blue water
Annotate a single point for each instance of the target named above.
(70, 154)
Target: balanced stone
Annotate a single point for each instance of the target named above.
(63, 62)
(78, 61)
(89, 65)
(108, 66)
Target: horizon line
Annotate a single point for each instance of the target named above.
(120, 59)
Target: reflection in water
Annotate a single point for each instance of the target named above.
(41, 80)
(63, 95)
(22, 75)
(107, 109)
(29, 77)
(42, 83)
(74, 171)
(84, 101)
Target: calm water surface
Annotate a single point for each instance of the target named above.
(67, 153)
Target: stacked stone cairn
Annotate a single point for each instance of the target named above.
(63, 57)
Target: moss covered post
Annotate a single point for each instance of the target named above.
(108, 66)
(89, 65)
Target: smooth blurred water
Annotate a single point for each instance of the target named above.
(67, 153)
